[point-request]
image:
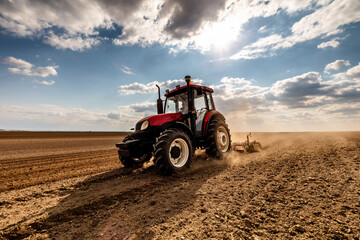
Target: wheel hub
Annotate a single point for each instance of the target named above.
(175, 152)
(223, 139)
(178, 152)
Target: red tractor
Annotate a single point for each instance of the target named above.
(187, 121)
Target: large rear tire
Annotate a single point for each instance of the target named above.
(218, 139)
(172, 152)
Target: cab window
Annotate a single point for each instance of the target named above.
(177, 103)
(208, 96)
(199, 100)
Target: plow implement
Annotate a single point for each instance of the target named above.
(246, 146)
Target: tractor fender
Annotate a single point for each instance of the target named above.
(182, 126)
(210, 116)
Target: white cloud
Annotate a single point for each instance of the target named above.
(213, 23)
(352, 74)
(305, 102)
(262, 29)
(149, 107)
(299, 92)
(336, 65)
(73, 16)
(39, 18)
(46, 83)
(26, 68)
(248, 53)
(150, 88)
(234, 95)
(332, 43)
(39, 71)
(127, 70)
(75, 43)
(301, 103)
(235, 81)
(15, 27)
(17, 62)
(53, 117)
(136, 87)
(258, 48)
(325, 21)
(173, 51)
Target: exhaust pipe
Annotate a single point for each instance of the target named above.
(191, 112)
(160, 108)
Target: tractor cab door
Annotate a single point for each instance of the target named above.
(201, 102)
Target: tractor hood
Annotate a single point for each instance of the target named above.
(160, 119)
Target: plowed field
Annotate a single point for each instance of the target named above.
(72, 186)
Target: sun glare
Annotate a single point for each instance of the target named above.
(218, 36)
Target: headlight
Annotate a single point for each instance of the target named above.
(144, 125)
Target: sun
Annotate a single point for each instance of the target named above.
(217, 36)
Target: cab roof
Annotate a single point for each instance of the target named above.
(184, 88)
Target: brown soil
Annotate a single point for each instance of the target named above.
(302, 185)
(27, 160)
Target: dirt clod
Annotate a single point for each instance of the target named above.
(299, 229)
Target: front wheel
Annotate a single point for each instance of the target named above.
(218, 139)
(172, 151)
(129, 162)
(134, 161)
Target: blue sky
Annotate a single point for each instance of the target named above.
(93, 65)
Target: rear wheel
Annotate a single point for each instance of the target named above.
(172, 151)
(218, 138)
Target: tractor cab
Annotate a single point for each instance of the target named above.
(197, 102)
(186, 121)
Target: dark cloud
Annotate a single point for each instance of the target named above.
(309, 90)
(345, 111)
(187, 16)
(68, 24)
(120, 9)
(347, 95)
(114, 116)
(236, 95)
(294, 92)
